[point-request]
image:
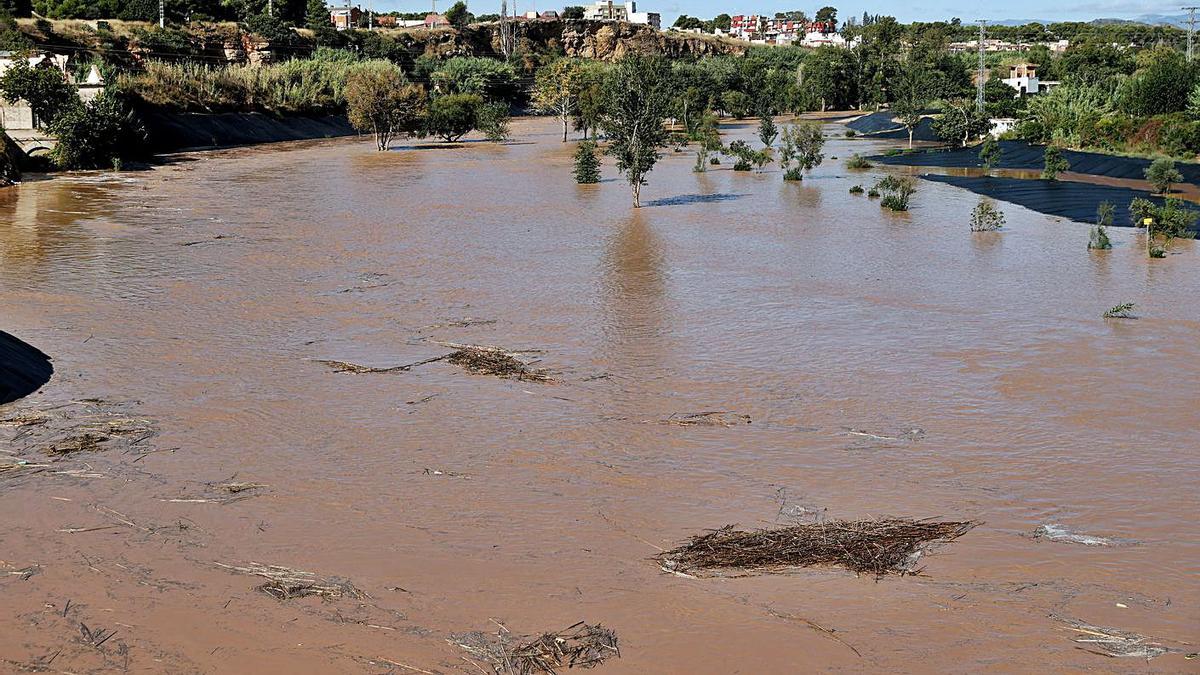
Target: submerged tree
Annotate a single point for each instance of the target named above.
(912, 97)
(986, 217)
(380, 100)
(454, 116)
(587, 165)
(767, 131)
(1098, 238)
(493, 121)
(556, 91)
(1055, 163)
(801, 143)
(1170, 221)
(990, 153)
(896, 191)
(634, 119)
(1162, 174)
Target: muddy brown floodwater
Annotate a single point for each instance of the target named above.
(892, 364)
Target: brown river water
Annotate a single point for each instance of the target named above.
(892, 364)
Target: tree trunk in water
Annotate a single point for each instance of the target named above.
(910, 134)
(564, 129)
(637, 195)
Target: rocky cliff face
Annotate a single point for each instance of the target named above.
(607, 41)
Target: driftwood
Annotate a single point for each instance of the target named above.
(715, 418)
(284, 583)
(878, 547)
(579, 646)
(1112, 642)
(476, 359)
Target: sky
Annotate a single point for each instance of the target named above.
(918, 10)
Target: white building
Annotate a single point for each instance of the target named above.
(1023, 77)
(607, 10)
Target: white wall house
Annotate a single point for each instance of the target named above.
(1023, 77)
(607, 10)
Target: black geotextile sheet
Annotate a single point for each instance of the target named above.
(23, 368)
(171, 132)
(1066, 199)
(883, 124)
(1022, 155)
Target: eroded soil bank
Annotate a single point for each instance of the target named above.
(891, 364)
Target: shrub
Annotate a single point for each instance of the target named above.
(856, 190)
(1098, 238)
(701, 164)
(100, 134)
(1169, 221)
(1055, 163)
(896, 191)
(856, 161)
(986, 217)
(742, 165)
(1121, 311)
(794, 173)
(873, 194)
(767, 131)
(1162, 174)
(850, 133)
(990, 153)
(494, 121)
(714, 160)
(454, 116)
(587, 165)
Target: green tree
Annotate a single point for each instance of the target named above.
(1162, 174)
(494, 121)
(102, 133)
(379, 99)
(1055, 163)
(556, 90)
(572, 12)
(587, 164)
(634, 118)
(827, 14)
(1160, 86)
(44, 89)
(736, 104)
(767, 131)
(986, 217)
(458, 16)
(912, 97)
(1171, 220)
(990, 153)
(316, 15)
(960, 122)
(1098, 238)
(454, 116)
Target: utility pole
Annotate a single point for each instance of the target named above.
(1191, 28)
(979, 89)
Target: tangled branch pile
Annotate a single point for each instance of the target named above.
(716, 418)
(495, 361)
(879, 547)
(284, 583)
(34, 439)
(582, 645)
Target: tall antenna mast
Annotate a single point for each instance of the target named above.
(979, 90)
(1191, 28)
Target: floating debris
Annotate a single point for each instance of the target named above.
(1055, 532)
(879, 547)
(715, 418)
(347, 367)
(1112, 642)
(582, 645)
(81, 443)
(284, 583)
(483, 360)
(218, 492)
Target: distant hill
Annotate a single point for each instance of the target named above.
(1148, 19)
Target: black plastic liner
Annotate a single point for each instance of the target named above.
(1066, 199)
(23, 368)
(172, 132)
(1022, 155)
(883, 124)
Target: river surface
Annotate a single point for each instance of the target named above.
(892, 364)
